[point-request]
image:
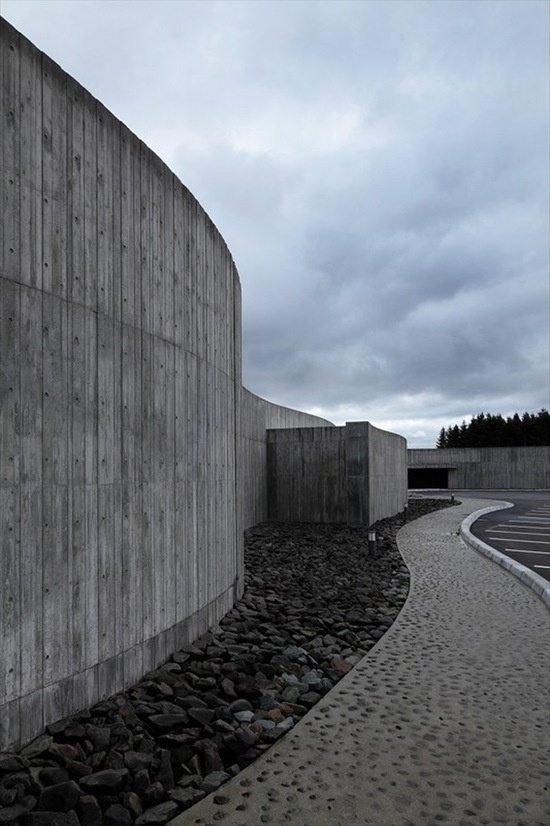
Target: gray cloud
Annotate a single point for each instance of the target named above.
(379, 171)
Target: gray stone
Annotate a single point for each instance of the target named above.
(210, 756)
(157, 815)
(142, 781)
(135, 760)
(165, 774)
(90, 811)
(246, 736)
(37, 746)
(51, 819)
(132, 802)
(10, 814)
(264, 724)
(213, 781)
(192, 701)
(190, 780)
(7, 796)
(186, 797)
(117, 815)
(153, 794)
(168, 722)
(244, 716)
(108, 779)
(13, 763)
(203, 716)
(293, 652)
(241, 705)
(61, 797)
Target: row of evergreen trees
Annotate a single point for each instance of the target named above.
(486, 430)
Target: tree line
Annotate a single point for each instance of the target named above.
(487, 430)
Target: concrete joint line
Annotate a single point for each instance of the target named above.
(533, 580)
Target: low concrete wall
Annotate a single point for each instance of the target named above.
(355, 474)
(387, 473)
(485, 468)
(257, 416)
(306, 470)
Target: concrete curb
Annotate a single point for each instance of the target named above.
(533, 581)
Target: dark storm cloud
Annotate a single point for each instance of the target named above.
(379, 171)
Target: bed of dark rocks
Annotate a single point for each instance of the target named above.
(315, 602)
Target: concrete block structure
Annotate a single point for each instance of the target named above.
(355, 474)
(485, 468)
(131, 457)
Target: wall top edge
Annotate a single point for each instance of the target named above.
(316, 421)
(370, 428)
(9, 32)
(465, 451)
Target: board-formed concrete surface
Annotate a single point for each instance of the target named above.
(483, 468)
(445, 721)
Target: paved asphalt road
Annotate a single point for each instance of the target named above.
(521, 532)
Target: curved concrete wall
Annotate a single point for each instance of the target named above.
(121, 411)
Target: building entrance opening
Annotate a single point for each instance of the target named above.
(428, 477)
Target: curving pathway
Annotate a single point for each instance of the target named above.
(445, 721)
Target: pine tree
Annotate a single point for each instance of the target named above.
(493, 430)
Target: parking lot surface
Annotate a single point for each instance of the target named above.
(522, 533)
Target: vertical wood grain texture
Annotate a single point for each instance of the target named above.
(55, 137)
(10, 671)
(10, 333)
(30, 160)
(107, 195)
(10, 95)
(129, 205)
(30, 445)
(76, 224)
(90, 217)
(387, 473)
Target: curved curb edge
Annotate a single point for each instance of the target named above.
(533, 581)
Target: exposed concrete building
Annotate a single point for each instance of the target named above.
(480, 467)
(131, 457)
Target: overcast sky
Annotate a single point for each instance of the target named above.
(379, 170)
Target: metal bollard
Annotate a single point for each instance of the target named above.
(405, 513)
(372, 542)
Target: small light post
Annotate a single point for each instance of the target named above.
(405, 512)
(372, 542)
(452, 498)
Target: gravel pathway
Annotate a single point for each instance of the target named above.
(444, 721)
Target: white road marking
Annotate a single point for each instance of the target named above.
(526, 541)
(542, 566)
(526, 551)
(518, 533)
(523, 526)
